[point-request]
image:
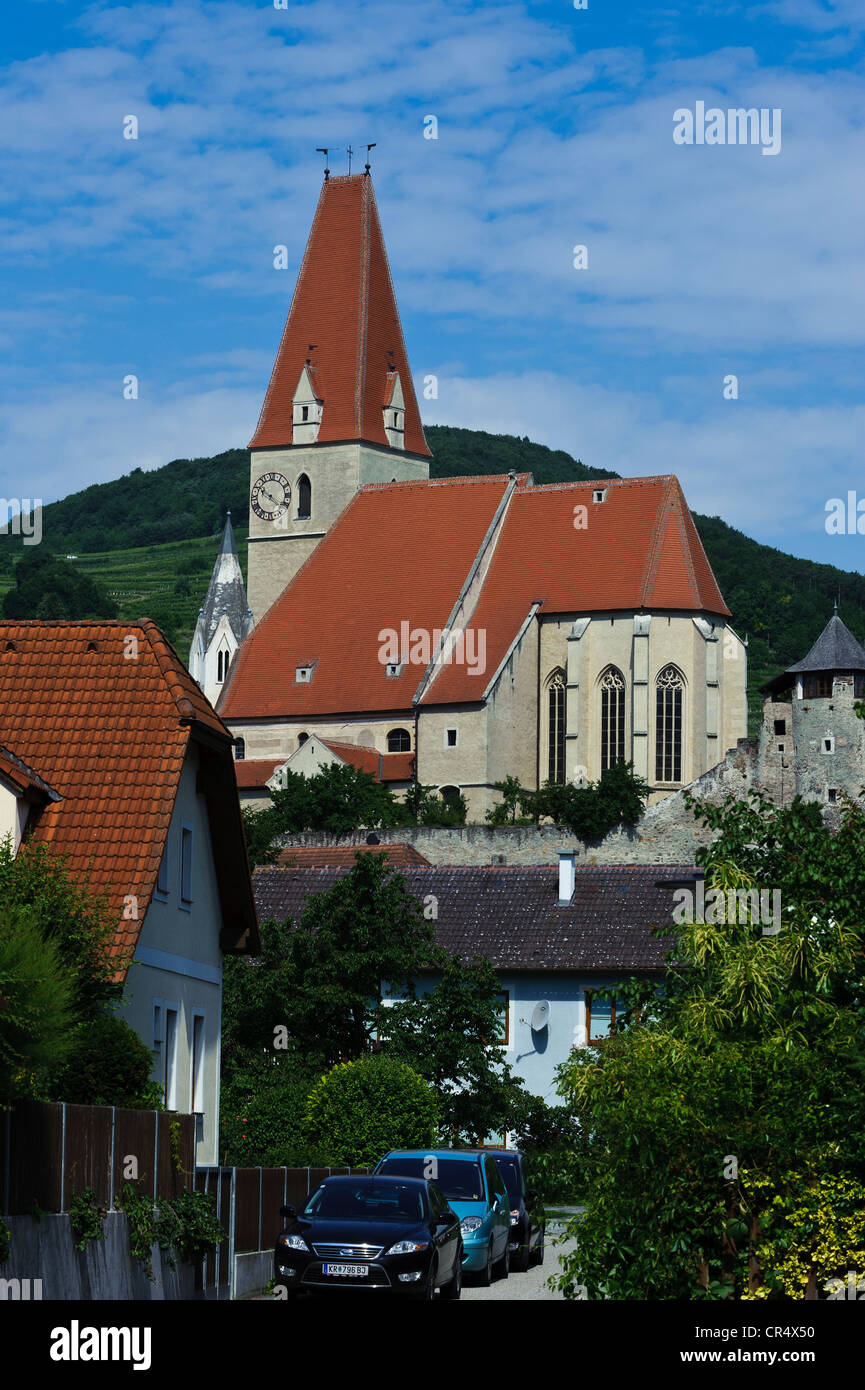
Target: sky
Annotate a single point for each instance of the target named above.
(713, 327)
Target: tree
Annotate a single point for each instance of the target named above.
(360, 1109)
(313, 999)
(449, 1035)
(46, 587)
(36, 992)
(107, 1064)
(591, 812)
(739, 1088)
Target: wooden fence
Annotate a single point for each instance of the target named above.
(51, 1151)
(247, 1203)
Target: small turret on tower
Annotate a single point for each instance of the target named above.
(223, 621)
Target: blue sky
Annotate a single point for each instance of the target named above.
(155, 256)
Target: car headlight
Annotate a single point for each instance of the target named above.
(408, 1247)
(294, 1243)
(470, 1223)
(515, 1218)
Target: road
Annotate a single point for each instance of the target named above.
(531, 1285)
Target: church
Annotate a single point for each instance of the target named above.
(481, 627)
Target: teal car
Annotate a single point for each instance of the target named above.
(473, 1186)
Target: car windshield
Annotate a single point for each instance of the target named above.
(378, 1201)
(510, 1171)
(460, 1179)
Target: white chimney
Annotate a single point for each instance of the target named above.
(567, 879)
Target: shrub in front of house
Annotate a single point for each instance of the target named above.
(358, 1110)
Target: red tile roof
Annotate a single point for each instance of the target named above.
(399, 551)
(344, 303)
(404, 551)
(400, 855)
(106, 711)
(13, 769)
(256, 772)
(385, 767)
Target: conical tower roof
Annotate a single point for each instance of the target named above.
(226, 594)
(836, 649)
(343, 324)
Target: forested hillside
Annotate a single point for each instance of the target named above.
(150, 539)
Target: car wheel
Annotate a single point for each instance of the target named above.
(453, 1289)
(486, 1277)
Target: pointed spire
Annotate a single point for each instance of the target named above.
(343, 302)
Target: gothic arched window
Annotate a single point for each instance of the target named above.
(223, 661)
(556, 726)
(669, 691)
(398, 741)
(612, 718)
(304, 497)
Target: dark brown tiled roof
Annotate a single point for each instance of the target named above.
(512, 916)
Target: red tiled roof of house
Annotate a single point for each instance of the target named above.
(399, 551)
(255, 772)
(344, 303)
(404, 551)
(106, 711)
(384, 767)
(399, 855)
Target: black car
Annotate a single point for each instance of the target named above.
(528, 1223)
(390, 1235)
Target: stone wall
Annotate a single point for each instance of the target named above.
(667, 834)
(44, 1250)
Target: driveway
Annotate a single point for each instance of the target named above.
(531, 1285)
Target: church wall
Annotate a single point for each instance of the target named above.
(464, 766)
(511, 718)
(273, 739)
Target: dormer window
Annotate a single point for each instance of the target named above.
(307, 409)
(393, 670)
(394, 412)
(303, 675)
(599, 494)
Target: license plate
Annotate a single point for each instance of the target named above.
(347, 1271)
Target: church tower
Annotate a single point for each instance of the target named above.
(223, 621)
(340, 410)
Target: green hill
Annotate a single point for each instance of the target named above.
(151, 539)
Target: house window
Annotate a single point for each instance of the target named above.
(828, 745)
(157, 1038)
(503, 1033)
(239, 749)
(186, 865)
(398, 741)
(450, 738)
(196, 1089)
(833, 794)
(612, 718)
(601, 1016)
(304, 412)
(169, 1074)
(301, 739)
(162, 878)
(304, 497)
(859, 685)
(780, 726)
(450, 796)
(669, 689)
(817, 686)
(223, 661)
(556, 714)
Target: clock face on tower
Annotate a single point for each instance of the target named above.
(270, 496)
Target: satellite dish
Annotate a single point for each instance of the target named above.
(540, 1015)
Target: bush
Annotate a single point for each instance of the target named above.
(262, 1112)
(359, 1110)
(108, 1065)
